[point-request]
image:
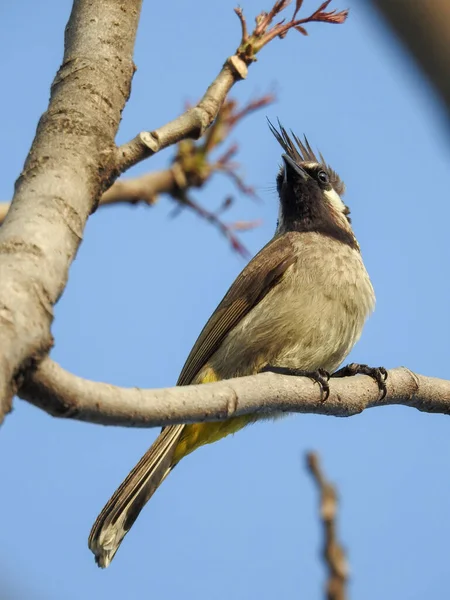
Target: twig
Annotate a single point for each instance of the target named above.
(63, 394)
(264, 36)
(193, 166)
(230, 171)
(226, 229)
(333, 552)
(194, 122)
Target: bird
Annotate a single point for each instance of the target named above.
(297, 308)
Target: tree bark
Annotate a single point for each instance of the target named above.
(68, 167)
(65, 395)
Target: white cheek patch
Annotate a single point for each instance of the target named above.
(335, 200)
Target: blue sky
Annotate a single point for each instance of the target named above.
(238, 519)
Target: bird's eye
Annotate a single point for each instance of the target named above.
(322, 176)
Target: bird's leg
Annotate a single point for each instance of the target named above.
(377, 373)
(320, 376)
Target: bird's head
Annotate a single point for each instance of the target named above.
(310, 192)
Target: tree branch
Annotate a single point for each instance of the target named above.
(424, 28)
(73, 160)
(134, 190)
(126, 191)
(65, 395)
(333, 552)
(70, 163)
(195, 121)
(193, 165)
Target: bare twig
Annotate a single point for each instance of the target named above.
(195, 121)
(63, 394)
(424, 28)
(333, 552)
(230, 171)
(226, 229)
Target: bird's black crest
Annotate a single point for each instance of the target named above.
(302, 152)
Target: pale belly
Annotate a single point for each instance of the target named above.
(311, 320)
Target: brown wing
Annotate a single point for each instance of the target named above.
(263, 272)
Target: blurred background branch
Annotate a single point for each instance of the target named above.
(424, 29)
(333, 553)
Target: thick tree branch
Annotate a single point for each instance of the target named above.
(69, 165)
(65, 395)
(424, 28)
(333, 553)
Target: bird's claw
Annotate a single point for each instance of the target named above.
(379, 374)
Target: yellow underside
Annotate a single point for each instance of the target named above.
(198, 434)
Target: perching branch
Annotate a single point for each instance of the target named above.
(65, 395)
(424, 28)
(333, 552)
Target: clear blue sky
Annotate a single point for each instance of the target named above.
(238, 519)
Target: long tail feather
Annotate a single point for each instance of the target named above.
(123, 508)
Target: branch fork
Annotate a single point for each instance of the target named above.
(74, 159)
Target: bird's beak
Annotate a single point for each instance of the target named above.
(290, 166)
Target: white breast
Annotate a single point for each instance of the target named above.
(331, 297)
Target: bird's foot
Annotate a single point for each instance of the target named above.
(379, 374)
(320, 376)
